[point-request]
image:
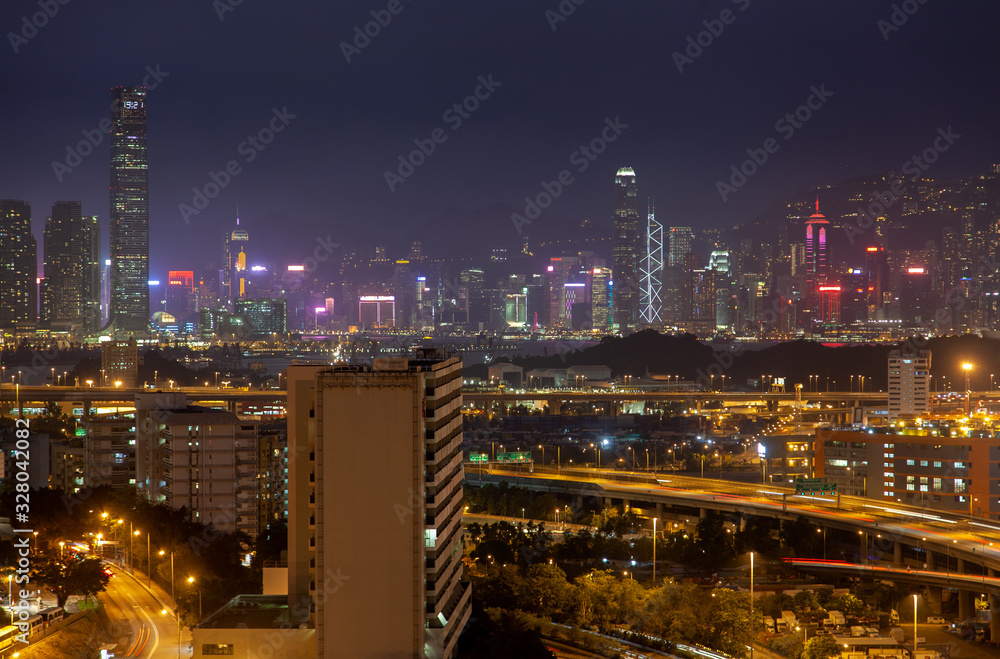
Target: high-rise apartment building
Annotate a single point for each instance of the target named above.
(129, 212)
(120, 364)
(651, 302)
(375, 492)
(202, 459)
(18, 265)
(626, 250)
(909, 384)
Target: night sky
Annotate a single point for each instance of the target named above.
(325, 170)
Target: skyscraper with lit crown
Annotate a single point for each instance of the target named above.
(626, 250)
(129, 232)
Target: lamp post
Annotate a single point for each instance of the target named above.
(751, 605)
(967, 367)
(914, 624)
(543, 453)
(191, 580)
(654, 552)
(149, 566)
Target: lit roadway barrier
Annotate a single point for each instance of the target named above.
(947, 534)
(977, 583)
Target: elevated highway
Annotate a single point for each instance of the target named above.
(884, 529)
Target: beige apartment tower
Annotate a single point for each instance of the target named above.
(909, 384)
(375, 506)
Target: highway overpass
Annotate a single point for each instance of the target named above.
(958, 543)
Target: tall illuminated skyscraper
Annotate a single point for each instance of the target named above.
(129, 211)
(18, 304)
(234, 264)
(626, 250)
(652, 271)
(817, 262)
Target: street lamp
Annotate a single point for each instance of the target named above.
(191, 580)
(967, 367)
(914, 624)
(654, 552)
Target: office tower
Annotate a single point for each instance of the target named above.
(201, 459)
(180, 293)
(404, 283)
(829, 304)
(909, 384)
(651, 302)
(129, 211)
(680, 245)
(375, 492)
(18, 265)
(264, 317)
(559, 271)
(626, 250)
(66, 262)
(416, 252)
(916, 296)
(234, 262)
(817, 259)
(719, 261)
(516, 309)
(377, 311)
(600, 302)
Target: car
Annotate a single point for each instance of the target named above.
(935, 620)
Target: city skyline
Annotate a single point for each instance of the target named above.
(327, 165)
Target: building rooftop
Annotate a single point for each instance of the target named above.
(251, 611)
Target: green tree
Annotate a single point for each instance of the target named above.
(729, 622)
(546, 592)
(69, 578)
(674, 612)
(820, 647)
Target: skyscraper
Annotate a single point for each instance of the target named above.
(71, 289)
(626, 250)
(234, 263)
(680, 245)
(652, 271)
(375, 493)
(18, 265)
(817, 261)
(129, 211)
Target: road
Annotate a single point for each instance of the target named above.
(948, 533)
(147, 632)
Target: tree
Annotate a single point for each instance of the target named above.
(546, 591)
(820, 647)
(730, 622)
(75, 577)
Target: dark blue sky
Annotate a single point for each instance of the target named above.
(607, 59)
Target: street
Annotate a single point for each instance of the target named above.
(145, 629)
